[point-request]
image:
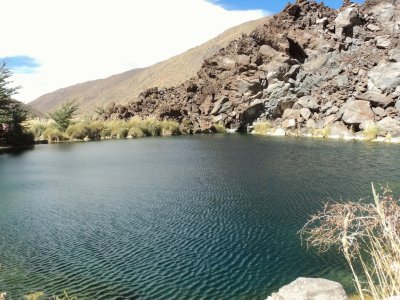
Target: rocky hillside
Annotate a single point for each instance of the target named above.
(307, 68)
(125, 87)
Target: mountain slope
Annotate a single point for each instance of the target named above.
(308, 70)
(124, 87)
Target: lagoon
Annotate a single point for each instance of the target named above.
(189, 217)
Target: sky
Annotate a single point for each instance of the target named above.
(50, 44)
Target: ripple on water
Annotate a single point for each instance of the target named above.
(174, 218)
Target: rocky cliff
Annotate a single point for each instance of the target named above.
(306, 68)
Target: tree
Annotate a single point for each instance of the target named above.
(64, 114)
(12, 113)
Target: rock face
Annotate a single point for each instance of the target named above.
(307, 67)
(310, 289)
(356, 112)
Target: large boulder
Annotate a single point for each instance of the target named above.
(389, 124)
(291, 114)
(394, 55)
(310, 289)
(357, 111)
(377, 99)
(340, 130)
(383, 77)
(347, 18)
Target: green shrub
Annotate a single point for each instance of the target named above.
(170, 127)
(64, 114)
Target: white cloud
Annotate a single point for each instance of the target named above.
(80, 40)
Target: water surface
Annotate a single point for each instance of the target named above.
(191, 217)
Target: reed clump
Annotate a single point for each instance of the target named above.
(88, 129)
(368, 235)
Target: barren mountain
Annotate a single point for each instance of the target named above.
(124, 87)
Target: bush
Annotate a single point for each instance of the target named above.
(135, 132)
(368, 234)
(63, 115)
(52, 135)
(371, 131)
(37, 127)
(186, 126)
(77, 131)
(170, 127)
(219, 128)
(151, 127)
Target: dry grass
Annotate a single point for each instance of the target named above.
(371, 132)
(219, 128)
(262, 127)
(368, 234)
(94, 130)
(321, 132)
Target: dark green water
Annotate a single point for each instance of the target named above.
(203, 217)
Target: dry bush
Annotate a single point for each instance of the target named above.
(368, 234)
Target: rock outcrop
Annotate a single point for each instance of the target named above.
(308, 67)
(310, 289)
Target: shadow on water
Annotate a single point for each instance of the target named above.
(18, 151)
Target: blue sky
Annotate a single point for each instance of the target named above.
(273, 6)
(20, 63)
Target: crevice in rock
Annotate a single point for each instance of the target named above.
(296, 51)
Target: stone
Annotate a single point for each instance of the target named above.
(267, 51)
(384, 77)
(397, 106)
(218, 105)
(327, 106)
(347, 18)
(312, 104)
(383, 42)
(332, 110)
(253, 111)
(311, 124)
(328, 121)
(379, 111)
(391, 111)
(394, 55)
(249, 87)
(305, 113)
(389, 124)
(291, 114)
(243, 60)
(289, 123)
(340, 129)
(310, 289)
(373, 27)
(292, 72)
(342, 80)
(377, 99)
(357, 111)
(278, 132)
